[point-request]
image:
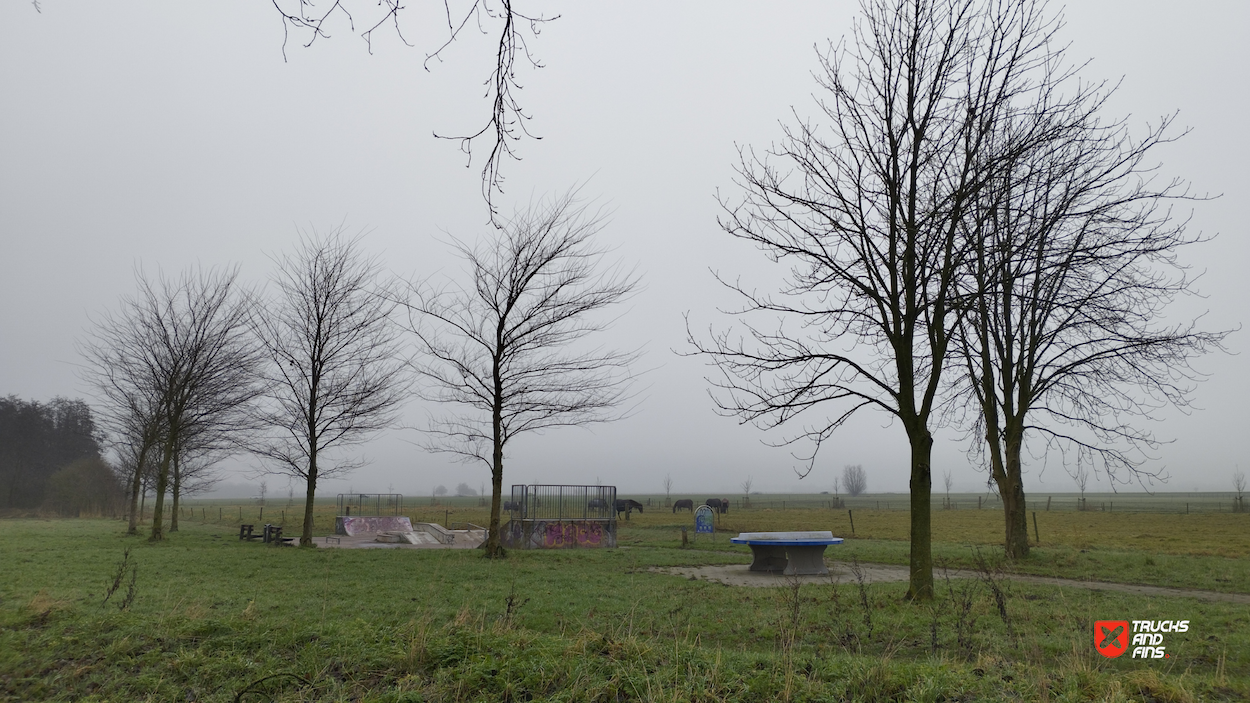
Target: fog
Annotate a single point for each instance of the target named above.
(160, 136)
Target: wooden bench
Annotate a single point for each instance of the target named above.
(791, 553)
(245, 533)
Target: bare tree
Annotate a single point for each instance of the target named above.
(503, 354)
(947, 482)
(1081, 476)
(463, 490)
(506, 124)
(855, 478)
(335, 375)
(869, 210)
(1072, 268)
(668, 489)
(178, 356)
(1239, 485)
(746, 492)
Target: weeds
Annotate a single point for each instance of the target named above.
(992, 576)
(863, 595)
(791, 613)
(118, 577)
(512, 604)
(962, 601)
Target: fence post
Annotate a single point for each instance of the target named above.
(1048, 503)
(1036, 533)
(852, 517)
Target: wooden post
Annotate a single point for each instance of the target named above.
(1048, 503)
(1036, 533)
(852, 517)
(685, 540)
(978, 502)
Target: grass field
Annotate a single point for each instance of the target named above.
(211, 618)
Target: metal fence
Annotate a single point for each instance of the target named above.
(554, 502)
(379, 504)
(561, 517)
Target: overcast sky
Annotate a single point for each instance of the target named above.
(168, 135)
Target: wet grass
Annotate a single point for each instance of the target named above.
(212, 616)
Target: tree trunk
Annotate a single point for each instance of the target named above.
(305, 536)
(162, 484)
(135, 486)
(494, 541)
(173, 514)
(921, 562)
(1011, 488)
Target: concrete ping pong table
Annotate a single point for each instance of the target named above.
(791, 553)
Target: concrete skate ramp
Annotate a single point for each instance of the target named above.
(352, 526)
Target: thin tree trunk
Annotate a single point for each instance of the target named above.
(136, 485)
(162, 484)
(921, 485)
(173, 515)
(310, 495)
(494, 542)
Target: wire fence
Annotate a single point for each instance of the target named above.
(1216, 502)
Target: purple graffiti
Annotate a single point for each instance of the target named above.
(569, 534)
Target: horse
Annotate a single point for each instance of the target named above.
(597, 504)
(511, 505)
(720, 505)
(683, 504)
(626, 505)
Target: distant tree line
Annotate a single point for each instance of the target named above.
(50, 458)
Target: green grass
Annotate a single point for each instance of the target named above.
(212, 615)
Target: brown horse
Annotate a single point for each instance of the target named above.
(720, 505)
(683, 504)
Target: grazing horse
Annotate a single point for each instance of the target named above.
(720, 505)
(625, 506)
(511, 505)
(597, 504)
(683, 504)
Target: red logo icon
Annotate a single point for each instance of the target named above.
(1111, 637)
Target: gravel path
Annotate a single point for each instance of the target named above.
(840, 572)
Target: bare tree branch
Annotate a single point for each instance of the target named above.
(506, 125)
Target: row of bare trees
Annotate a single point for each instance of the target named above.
(194, 368)
(969, 241)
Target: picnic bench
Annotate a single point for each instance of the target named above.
(245, 533)
(273, 535)
(791, 553)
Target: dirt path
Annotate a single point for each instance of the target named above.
(840, 572)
